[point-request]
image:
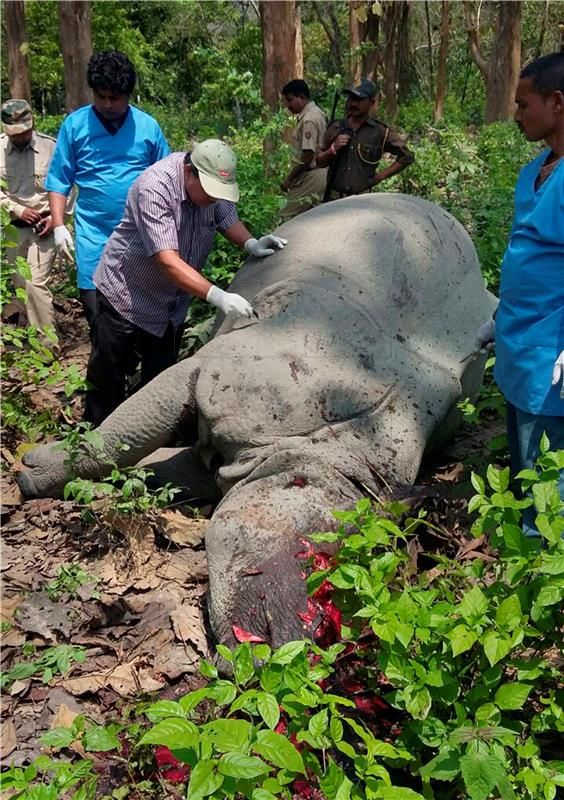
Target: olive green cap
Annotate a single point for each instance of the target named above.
(217, 167)
(17, 117)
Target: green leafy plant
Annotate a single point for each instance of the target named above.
(50, 779)
(71, 577)
(94, 738)
(53, 660)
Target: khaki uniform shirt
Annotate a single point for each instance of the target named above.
(23, 173)
(309, 132)
(352, 170)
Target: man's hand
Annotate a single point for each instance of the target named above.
(265, 246)
(46, 227)
(31, 216)
(558, 373)
(63, 242)
(485, 334)
(341, 141)
(233, 305)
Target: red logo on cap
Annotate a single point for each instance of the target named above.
(224, 173)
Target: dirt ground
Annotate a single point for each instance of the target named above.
(140, 613)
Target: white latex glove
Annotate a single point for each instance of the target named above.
(265, 246)
(485, 333)
(558, 373)
(233, 305)
(63, 242)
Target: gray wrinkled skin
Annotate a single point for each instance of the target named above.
(352, 370)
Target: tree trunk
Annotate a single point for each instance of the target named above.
(356, 37)
(429, 49)
(327, 18)
(442, 65)
(76, 45)
(501, 70)
(391, 14)
(17, 47)
(406, 74)
(540, 42)
(282, 54)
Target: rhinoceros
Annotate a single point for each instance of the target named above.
(351, 369)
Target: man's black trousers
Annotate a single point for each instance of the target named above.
(114, 340)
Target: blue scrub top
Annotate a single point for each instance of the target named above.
(529, 325)
(103, 166)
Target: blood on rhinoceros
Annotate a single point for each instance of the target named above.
(352, 369)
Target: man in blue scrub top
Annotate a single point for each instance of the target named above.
(102, 149)
(529, 322)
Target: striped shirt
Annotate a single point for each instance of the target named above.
(158, 216)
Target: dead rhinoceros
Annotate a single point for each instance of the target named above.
(355, 364)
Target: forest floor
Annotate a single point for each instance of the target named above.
(133, 601)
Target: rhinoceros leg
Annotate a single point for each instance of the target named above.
(183, 468)
(157, 414)
(256, 581)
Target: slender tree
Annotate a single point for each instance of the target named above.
(391, 17)
(442, 63)
(327, 17)
(282, 54)
(364, 29)
(501, 69)
(76, 45)
(17, 47)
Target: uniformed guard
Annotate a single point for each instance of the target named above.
(354, 146)
(24, 161)
(306, 181)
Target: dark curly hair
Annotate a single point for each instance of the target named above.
(111, 71)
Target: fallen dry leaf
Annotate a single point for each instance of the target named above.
(10, 494)
(182, 530)
(8, 738)
(188, 625)
(64, 717)
(125, 679)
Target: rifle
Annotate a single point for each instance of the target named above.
(335, 162)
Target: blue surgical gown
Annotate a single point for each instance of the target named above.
(103, 166)
(529, 325)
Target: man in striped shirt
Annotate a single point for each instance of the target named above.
(150, 268)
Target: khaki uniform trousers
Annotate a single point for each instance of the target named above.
(305, 193)
(40, 254)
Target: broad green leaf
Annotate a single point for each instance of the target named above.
(58, 737)
(238, 765)
(417, 702)
(473, 605)
(229, 734)
(279, 751)
(319, 723)
(478, 483)
(461, 639)
(174, 733)
(224, 652)
(190, 701)
(496, 646)
(331, 780)
(203, 780)
(399, 793)
(443, 767)
(512, 696)
(287, 653)
(223, 692)
(480, 771)
(508, 616)
(336, 729)
(344, 790)
(262, 794)
(243, 664)
(100, 740)
(267, 706)
(498, 478)
(163, 709)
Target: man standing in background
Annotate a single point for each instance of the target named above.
(355, 145)
(102, 149)
(24, 161)
(305, 183)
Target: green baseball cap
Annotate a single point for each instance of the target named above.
(17, 117)
(217, 167)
